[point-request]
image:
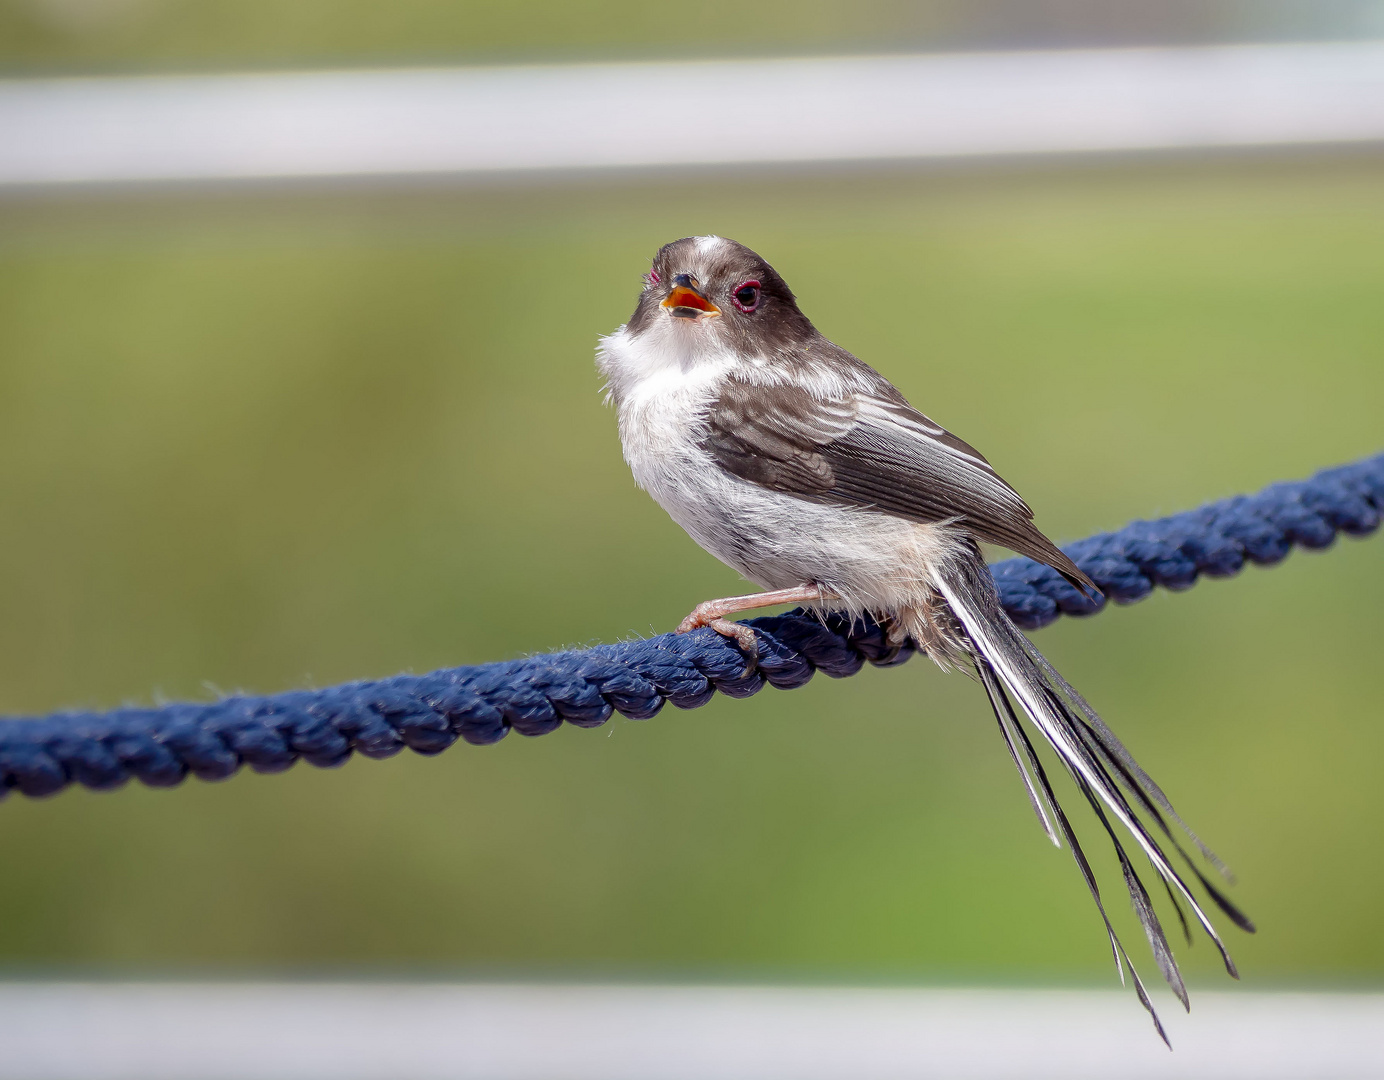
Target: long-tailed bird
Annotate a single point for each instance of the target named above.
(804, 469)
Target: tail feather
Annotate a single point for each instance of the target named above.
(1140, 784)
(1143, 907)
(1177, 907)
(1116, 946)
(1009, 728)
(1238, 917)
(1106, 765)
(1129, 780)
(1233, 913)
(1115, 798)
(1117, 788)
(1004, 712)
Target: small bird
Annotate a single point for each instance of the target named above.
(804, 469)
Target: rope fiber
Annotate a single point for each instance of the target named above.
(535, 695)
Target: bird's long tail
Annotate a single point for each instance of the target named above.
(1123, 796)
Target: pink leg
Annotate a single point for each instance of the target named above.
(713, 613)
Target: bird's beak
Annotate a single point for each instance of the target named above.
(687, 302)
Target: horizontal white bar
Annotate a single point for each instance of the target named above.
(364, 1031)
(470, 120)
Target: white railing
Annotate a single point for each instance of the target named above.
(383, 1031)
(486, 120)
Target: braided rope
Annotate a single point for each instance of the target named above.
(535, 695)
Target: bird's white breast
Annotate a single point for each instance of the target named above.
(662, 394)
(662, 391)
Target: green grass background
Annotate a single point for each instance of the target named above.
(280, 440)
(114, 34)
(81, 36)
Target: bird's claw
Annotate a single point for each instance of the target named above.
(742, 635)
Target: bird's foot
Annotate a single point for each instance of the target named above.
(895, 633)
(895, 638)
(712, 614)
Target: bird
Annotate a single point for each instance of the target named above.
(805, 470)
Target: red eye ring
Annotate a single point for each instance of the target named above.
(745, 296)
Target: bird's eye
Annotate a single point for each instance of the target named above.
(746, 296)
(654, 279)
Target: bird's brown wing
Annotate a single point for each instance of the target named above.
(871, 450)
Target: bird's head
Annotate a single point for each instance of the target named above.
(713, 292)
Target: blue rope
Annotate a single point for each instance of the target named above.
(535, 695)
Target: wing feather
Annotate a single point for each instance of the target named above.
(870, 449)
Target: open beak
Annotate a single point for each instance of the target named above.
(687, 302)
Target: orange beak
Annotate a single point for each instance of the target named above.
(687, 303)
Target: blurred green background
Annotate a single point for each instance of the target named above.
(279, 439)
(272, 438)
(85, 35)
